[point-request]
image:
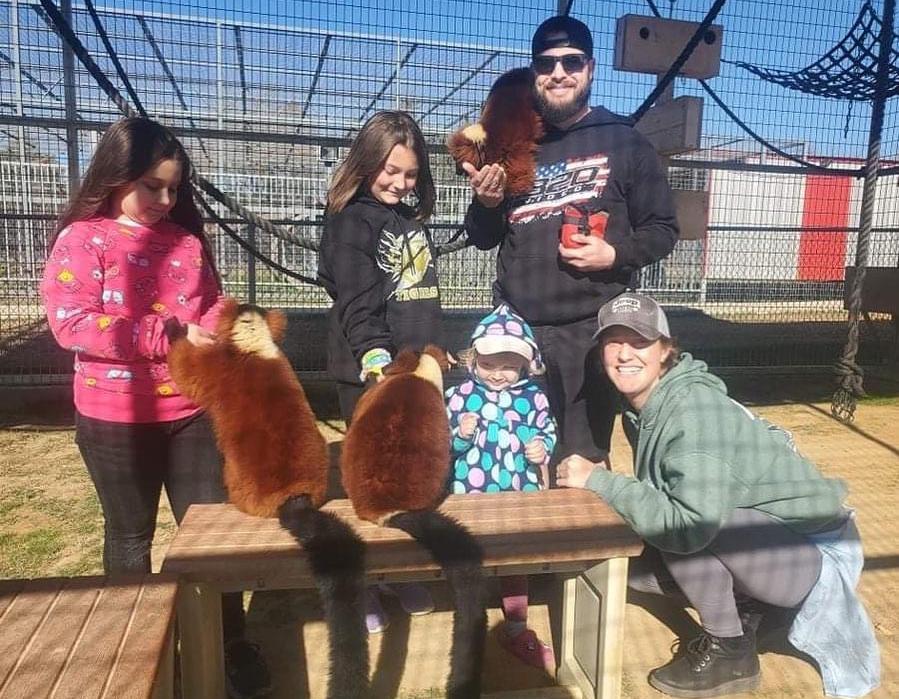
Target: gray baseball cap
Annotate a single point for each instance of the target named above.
(639, 312)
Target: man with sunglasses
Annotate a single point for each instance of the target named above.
(597, 163)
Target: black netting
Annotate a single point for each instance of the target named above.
(268, 96)
(847, 71)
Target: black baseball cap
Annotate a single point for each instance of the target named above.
(639, 312)
(562, 31)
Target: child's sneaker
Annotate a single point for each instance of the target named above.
(529, 649)
(375, 617)
(414, 597)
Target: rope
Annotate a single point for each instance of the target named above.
(851, 375)
(257, 220)
(97, 73)
(848, 120)
(739, 122)
(249, 248)
(849, 383)
(850, 378)
(78, 49)
(456, 242)
(680, 60)
(171, 76)
(848, 71)
(770, 146)
(123, 76)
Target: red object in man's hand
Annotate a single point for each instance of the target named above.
(575, 220)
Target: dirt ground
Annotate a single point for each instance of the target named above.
(51, 524)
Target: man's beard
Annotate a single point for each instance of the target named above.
(559, 113)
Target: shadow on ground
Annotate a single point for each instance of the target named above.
(408, 659)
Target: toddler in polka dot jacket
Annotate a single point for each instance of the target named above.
(502, 430)
(502, 438)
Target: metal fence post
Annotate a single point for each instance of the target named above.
(251, 265)
(68, 70)
(17, 59)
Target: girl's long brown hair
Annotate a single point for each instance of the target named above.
(367, 156)
(129, 148)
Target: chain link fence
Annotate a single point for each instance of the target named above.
(267, 97)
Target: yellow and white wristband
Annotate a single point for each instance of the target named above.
(373, 362)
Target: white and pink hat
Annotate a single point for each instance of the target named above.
(503, 330)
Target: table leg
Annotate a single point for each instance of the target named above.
(200, 630)
(164, 683)
(567, 674)
(593, 630)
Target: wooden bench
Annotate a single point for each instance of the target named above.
(86, 638)
(218, 549)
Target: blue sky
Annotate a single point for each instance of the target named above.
(785, 35)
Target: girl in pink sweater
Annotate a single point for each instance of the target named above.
(129, 270)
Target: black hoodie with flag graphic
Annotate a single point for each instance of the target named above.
(601, 163)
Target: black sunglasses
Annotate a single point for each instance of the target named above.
(571, 63)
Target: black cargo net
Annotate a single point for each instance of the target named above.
(848, 71)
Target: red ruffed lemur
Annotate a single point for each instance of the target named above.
(507, 132)
(276, 464)
(395, 467)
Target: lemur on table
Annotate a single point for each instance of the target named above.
(395, 464)
(276, 464)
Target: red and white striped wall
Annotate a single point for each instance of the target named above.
(806, 217)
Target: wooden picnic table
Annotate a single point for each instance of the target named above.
(219, 549)
(87, 637)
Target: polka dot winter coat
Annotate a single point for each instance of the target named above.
(493, 458)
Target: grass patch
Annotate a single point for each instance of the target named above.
(83, 516)
(11, 502)
(50, 516)
(27, 555)
(89, 560)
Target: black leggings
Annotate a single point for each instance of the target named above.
(129, 465)
(753, 555)
(580, 395)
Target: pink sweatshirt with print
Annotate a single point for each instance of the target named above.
(109, 289)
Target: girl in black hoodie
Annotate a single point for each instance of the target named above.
(377, 262)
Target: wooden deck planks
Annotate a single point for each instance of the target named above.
(152, 617)
(86, 637)
(26, 609)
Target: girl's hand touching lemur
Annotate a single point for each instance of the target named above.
(198, 336)
(193, 333)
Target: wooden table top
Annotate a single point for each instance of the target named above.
(86, 637)
(552, 530)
